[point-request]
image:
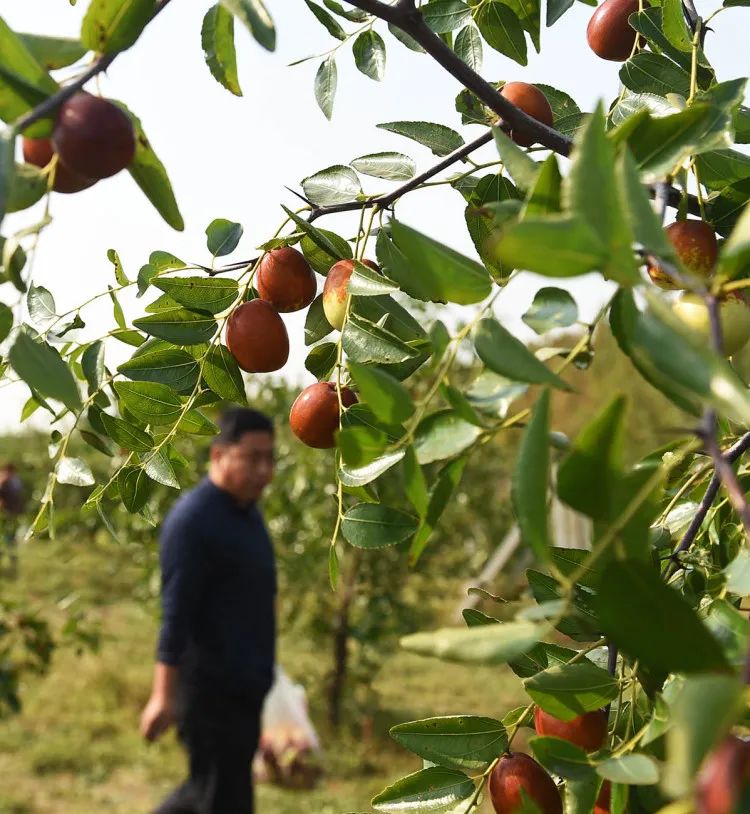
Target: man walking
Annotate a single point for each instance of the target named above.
(215, 656)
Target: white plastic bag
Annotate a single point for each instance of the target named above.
(288, 753)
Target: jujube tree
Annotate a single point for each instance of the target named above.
(655, 638)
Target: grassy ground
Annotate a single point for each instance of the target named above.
(75, 747)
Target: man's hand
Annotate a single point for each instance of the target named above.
(157, 716)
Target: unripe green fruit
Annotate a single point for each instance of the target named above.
(734, 314)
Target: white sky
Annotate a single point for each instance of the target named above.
(231, 157)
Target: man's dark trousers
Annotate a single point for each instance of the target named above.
(220, 733)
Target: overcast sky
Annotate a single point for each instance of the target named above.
(231, 157)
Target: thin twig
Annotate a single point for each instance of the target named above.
(385, 201)
(51, 104)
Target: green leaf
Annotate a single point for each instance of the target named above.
(366, 282)
(433, 789)
(486, 644)
(544, 196)
(665, 634)
(6, 321)
(165, 365)
(28, 185)
(720, 168)
(669, 354)
(440, 139)
(562, 758)
(354, 476)
(361, 446)
(364, 341)
(195, 423)
(159, 468)
(443, 435)
(369, 54)
(442, 274)
(211, 294)
(444, 16)
(730, 627)
(41, 306)
(223, 376)
(588, 477)
(135, 487)
(386, 396)
(440, 494)
(127, 435)
(521, 167)
(415, 483)
(569, 690)
(23, 82)
(97, 443)
(325, 19)
(323, 239)
(390, 166)
(556, 246)
(12, 255)
(120, 277)
(326, 80)
(531, 480)
(353, 15)
(178, 326)
(556, 9)
(74, 472)
(631, 770)
(53, 53)
(151, 176)
(540, 657)
(114, 25)
(661, 144)
(373, 525)
(321, 360)
(503, 353)
(502, 30)
(468, 47)
(737, 572)
(529, 13)
(217, 39)
(41, 367)
(704, 710)
(590, 192)
(551, 308)
(333, 185)
(316, 324)
(222, 236)
(675, 26)
(405, 39)
(647, 229)
(7, 174)
(255, 17)
(150, 402)
(654, 73)
(461, 742)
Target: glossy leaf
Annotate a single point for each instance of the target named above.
(432, 789)
(390, 166)
(333, 185)
(440, 139)
(326, 80)
(530, 484)
(502, 30)
(217, 39)
(223, 376)
(164, 364)
(150, 402)
(211, 294)
(369, 54)
(127, 435)
(255, 17)
(569, 690)
(374, 525)
(114, 25)
(665, 634)
(462, 742)
(42, 368)
(443, 435)
(222, 236)
(178, 326)
(486, 644)
(503, 353)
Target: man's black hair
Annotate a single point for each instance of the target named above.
(236, 421)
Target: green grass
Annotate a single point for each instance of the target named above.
(75, 748)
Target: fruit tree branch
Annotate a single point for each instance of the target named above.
(731, 455)
(385, 201)
(51, 104)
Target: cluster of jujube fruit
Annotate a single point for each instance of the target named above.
(723, 782)
(92, 139)
(257, 337)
